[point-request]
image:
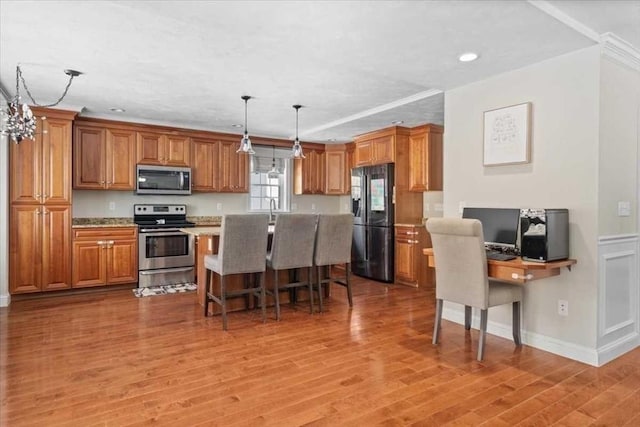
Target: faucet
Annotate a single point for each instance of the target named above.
(272, 206)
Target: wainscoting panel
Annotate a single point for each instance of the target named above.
(618, 296)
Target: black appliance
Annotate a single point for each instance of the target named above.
(544, 234)
(166, 255)
(163, 180)
(372, 250)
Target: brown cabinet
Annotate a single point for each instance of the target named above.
(40, 210)
(156, 148)
(104, 256)
(411, 265)
(425, 154)
(40, 169)
(374, 149)
(233, 168)
(336, 172)
(103, 158)
(39, 248)
(309, 173)
(204, 165)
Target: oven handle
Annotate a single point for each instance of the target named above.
(164, 232)
(164, 270)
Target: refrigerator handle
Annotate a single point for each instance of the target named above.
(366, 243)
(365, 198)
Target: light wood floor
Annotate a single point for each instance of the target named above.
(111, 359)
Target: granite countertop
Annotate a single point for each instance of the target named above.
(418, 224)
(206, 221)
(209, 231)
(102, 222)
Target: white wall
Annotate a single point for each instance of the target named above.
(563, 173)
(5, 298)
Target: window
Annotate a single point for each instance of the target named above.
(264, 191)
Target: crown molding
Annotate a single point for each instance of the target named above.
(570, 22)
(620, 50)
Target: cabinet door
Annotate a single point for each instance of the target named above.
(122, 262)
(25, 248)
(363, 153)
(425, 154)
(176, 151)
(56, 161)
(317, 171)
(120, 159)
(336, 182)
(405, 256)
(56, 247)
(233, 168)
(25, 170)
(89, 150)
(150, 148)
(204, 165)
(89, 264)
(384, 150)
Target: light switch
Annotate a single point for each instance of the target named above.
(112, 206)
(219, 206)
(624, 208)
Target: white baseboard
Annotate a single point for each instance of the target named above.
(552, 345)
(5, 300)
(617, 348)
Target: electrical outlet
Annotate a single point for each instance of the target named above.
(219, 206)
(313, 206)
(112, 206)
(624, 208)
(294, 207)
(438, 207)
(563, 307)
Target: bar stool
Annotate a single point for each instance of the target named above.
(333, 246)
(242, 249)
(292, 248)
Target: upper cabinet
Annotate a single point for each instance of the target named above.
(205, 155)
(233, 168)
(40, 169)
(156, 148)
(309, 173)
(375, 148)
(337, 169)
(425, 154)
(103, 158)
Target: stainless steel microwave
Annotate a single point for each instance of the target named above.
(163, 180)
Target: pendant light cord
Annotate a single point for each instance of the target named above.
(24, 83)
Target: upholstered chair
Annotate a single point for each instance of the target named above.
(242, 250)
(333, 246)
(292, 248)
(462, 277)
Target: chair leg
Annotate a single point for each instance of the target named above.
(263, 297)
(320, 288)
(207, 288)
(223, 302)
(349, 294)
(467, 317)
(310, 282)
(438, 321)
(483, 333)
(516, 323)
(276, 293)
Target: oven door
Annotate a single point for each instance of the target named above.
(165, 249)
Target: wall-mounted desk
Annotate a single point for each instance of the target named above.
(516, 270)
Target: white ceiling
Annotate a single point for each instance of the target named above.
(355, 65)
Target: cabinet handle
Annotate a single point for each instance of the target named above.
(45, 212)
(38, 212)
(101, 242)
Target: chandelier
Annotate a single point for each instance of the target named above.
(296, 151)
(245, 143)
(20, 123)
(273, 172)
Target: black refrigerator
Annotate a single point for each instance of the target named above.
(372, 253)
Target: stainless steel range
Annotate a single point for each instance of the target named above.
(165, 254)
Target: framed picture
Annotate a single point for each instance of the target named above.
(506, 135)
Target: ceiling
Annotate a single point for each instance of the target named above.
(355, 66)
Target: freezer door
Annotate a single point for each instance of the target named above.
(372, 252)
(359, 251)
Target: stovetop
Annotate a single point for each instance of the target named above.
(161, 216)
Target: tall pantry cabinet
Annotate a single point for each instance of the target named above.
(40, 210)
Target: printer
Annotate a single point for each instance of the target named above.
(544, 234)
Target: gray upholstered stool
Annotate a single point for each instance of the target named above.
(242, 249)
(462, 276)
(333, 246)
(292, 248)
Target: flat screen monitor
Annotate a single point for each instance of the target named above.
(499, 225)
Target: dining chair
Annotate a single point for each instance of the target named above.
(242, 250)
(462, 276)
(291, 249)
(333, 246)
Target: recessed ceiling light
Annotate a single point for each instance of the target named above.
(468, 57)
(397, 122)
(117, 110)
(237, 125)
(331, 140)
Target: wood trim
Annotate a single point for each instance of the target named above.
(53, 113)
(390, 131)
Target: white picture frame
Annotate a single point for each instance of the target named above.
(507, 135)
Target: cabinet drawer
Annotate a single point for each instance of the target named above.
(103, 232)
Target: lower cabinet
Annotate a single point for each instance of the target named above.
(104, 256)
(411, 264)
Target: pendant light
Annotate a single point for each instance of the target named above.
(245, 143)
(297, 148)
(273, 172)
